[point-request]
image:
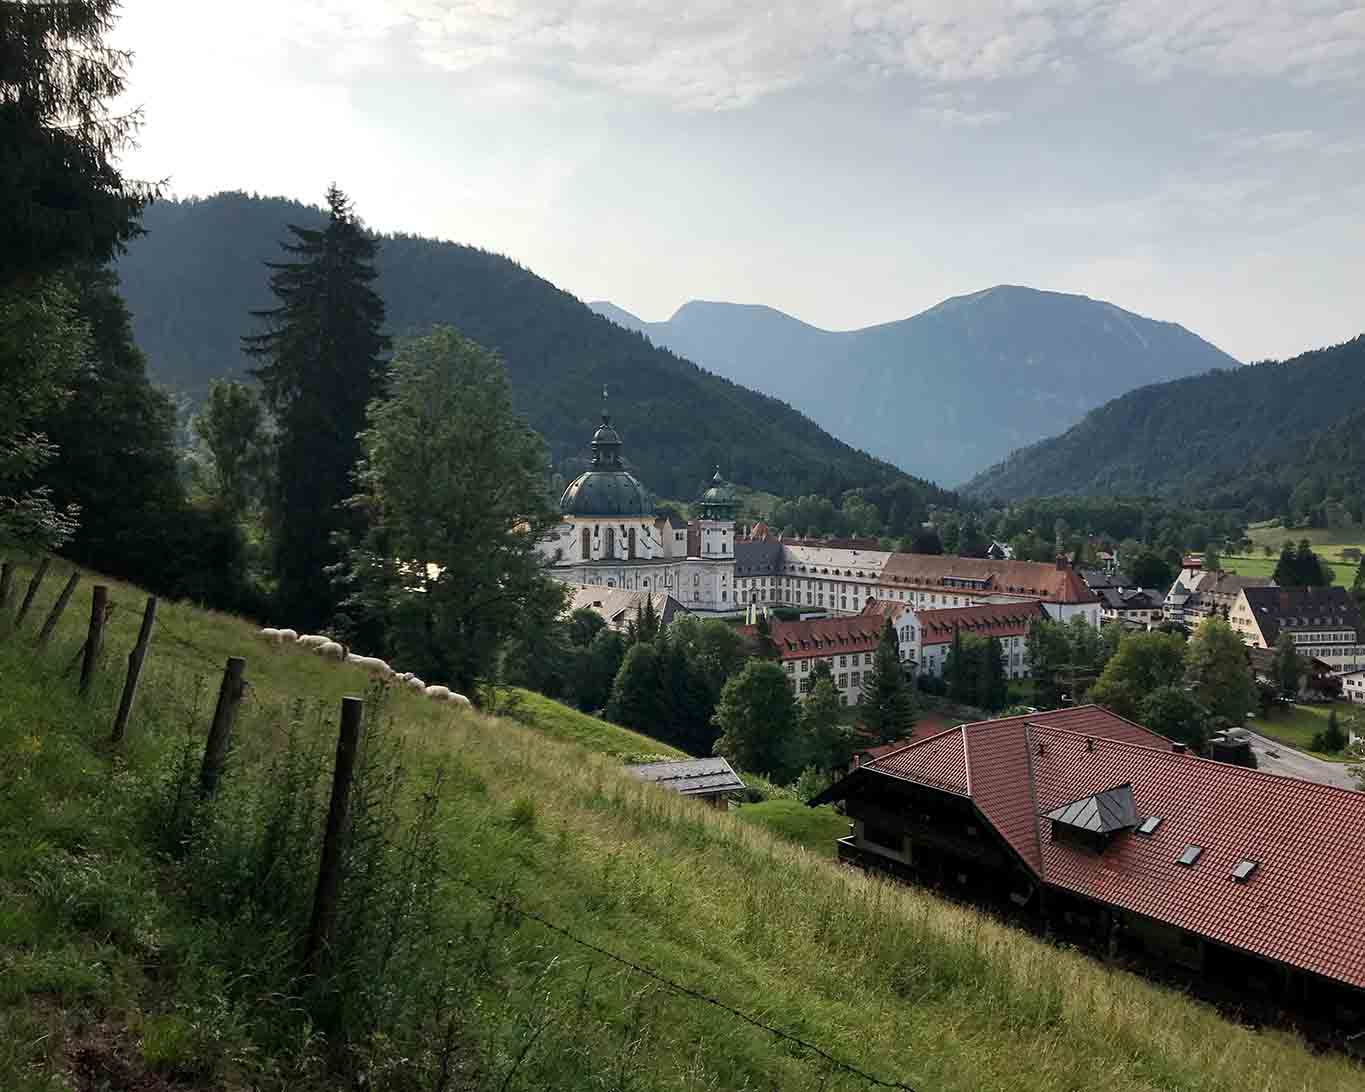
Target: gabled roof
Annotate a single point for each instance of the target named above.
(823, 637)
(757, 557)
(987, 620)
(1303, 903)
(1058, 583)
(617, 606)
(692, 777)
(1276, 609)
(1130, 598)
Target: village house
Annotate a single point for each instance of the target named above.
(1316, 682)
(1323, 623)
(1132, 608)
(1353, 686)
(848, 645)
(1105, 834)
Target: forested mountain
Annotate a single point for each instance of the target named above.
(949, 391)
(200, 269)
(1277, 438)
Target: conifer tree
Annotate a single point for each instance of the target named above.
(956, 672)
(321, 356)
(995, 693)
(1287, 666)
(887, 702)
(765, 648)
(755, 718)
(829, 741)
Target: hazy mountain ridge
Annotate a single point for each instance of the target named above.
(192, 281)
(947, 391)
(1273, 437)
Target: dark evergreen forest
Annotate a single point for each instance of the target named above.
(199, 271)
(1280, 438)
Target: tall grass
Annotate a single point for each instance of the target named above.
(126, 904)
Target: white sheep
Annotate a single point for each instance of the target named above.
(273, 636)
(460, 699)
(312, 641)
(373, 664)
(416, 684)
(290, 635)
(332, 650)
(440, 693)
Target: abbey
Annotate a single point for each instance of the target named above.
(610, 535)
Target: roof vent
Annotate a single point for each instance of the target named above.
(1245, 867)
(1189, 855)
(1149, 825)
(1178, 748)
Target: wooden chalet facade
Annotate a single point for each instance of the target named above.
(1243, 884)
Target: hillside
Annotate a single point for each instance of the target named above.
(150, 941)
(949, 391)
(191, 281)
(1273, 438)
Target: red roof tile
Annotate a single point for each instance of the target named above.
(939, 762)
(1304, 904)
(823, 637)
(986, 619)
(1049, 582)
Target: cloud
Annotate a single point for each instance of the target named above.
(715, 54)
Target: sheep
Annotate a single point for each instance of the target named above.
(372, 664)
(414, 683)
(312, 641)
(273, 636)
(440, 693)
(332, 650)
(290, 635)
(460, 699)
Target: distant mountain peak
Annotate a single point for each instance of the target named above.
(914, 390)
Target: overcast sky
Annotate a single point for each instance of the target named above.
(1201, 161)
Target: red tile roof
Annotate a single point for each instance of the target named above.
(1303, 905)
(1052, 583)
(986, 619)
(822, 637)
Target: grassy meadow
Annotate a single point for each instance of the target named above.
(151, 940)
(1296, 725)
(1326, 542)
(1265, 566)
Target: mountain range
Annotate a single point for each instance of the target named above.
(951, 390)
(193, 279)
(1274, 438)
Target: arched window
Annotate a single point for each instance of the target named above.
(586, 538)
(630, 544)
(609, 550)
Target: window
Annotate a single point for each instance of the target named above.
(867, 658)
(843, 682)
(630, 544)
(1149, 825)
(857, 678)
(1243, 870)
(610, 549)
(586, 542)
(1189, 855)
(843, 661)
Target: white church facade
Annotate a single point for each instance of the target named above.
(609, 535)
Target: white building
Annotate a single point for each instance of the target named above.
(610, 536)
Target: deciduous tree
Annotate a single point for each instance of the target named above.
(1216, 667)
(757, 722)
(1144, 663)
(1172, 711)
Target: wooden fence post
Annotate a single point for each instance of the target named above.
(224, 715)
(99, 608)
(55, 613)
(33, 586)
(135, 658)
(6, 583)
(329, 873)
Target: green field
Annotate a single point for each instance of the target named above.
(1265, 566)
(1327, 543)
(149, 940)
(817, 829)
(1296, 725)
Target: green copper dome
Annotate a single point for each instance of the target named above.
(608, 489)
(720, 501)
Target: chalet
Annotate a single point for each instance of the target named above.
(1353, 686)
(1133, 608)
(1106, 834)
(1218, 593)
(848, 645)
(1322, 622)
(709, 779)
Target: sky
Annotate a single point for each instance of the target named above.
(1197, 161)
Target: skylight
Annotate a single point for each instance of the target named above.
(1190, 855)
(1245, 867)
(1149, 825)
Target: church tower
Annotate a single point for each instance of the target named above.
(717, 523)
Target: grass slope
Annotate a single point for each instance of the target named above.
(1297, 724)
(117, 970)
(1265, 566)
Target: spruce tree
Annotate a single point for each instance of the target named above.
(887, 702)
(995, 693)
(322, 365)
(956, 671)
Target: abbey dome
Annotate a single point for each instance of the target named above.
(607, 488)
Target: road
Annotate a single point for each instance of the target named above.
(1291, 763)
